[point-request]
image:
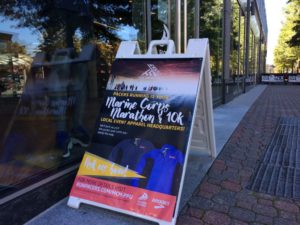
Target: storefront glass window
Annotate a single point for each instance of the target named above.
(159, 18)
(235, 40)
(211, 13)
(55, 58)
(191, 19)
(211, 27)
(251, 54)
(242, 43)
(163, 21)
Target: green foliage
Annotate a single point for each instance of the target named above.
(295, 39)
(17, 48)
(211, 27)
(235, 45)
(286, 56)
(57, 20)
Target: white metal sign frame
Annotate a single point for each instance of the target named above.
(202, 126)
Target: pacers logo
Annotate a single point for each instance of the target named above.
(142, 200)
(151, 72)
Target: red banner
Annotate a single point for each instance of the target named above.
(138, 200)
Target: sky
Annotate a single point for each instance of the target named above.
(274, 10)
(24, 36)
(275, 17)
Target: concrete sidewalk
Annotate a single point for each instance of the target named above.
(227, 117)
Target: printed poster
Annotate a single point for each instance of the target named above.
(140, 142)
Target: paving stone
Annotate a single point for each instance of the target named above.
(208, 187)
(264, 219)
(288, 215)
(225, 197)
(194, 212)
(187, 220)
(230, 173)
(245, 197)
(282, 221)
(286, 206)
(265, 202)
(221, 208)
(250, 163)
(265, 196)
(245, 173)
(215, 175)
(286, 200)
(244, 182)
(205, 194)
(242, 214)
(216, 218)
(184, 210)
(238, 155)
(238, 222)
(214, 180)
(265, 210)
(232, 186)
(245, 204)
(297, 203)
(201, 203)
(237, 165)
(219, 165)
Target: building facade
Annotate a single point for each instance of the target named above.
(55, 59)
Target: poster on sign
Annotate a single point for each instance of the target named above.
(136, 161)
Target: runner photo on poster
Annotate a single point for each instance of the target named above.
(140, 142)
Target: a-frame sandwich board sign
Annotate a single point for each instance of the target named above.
(155, 109)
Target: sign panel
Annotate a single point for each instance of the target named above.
(136, 160)
(155, 108)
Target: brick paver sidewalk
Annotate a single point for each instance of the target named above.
(223, 198)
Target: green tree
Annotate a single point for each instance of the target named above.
(211, 27)
(17, 48)
(286, 57)
(58, 20)
(235, 22)
(295, 39)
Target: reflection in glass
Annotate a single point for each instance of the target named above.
(211, 27)
(160, 22)
(237, 38)
(50, 93)
(235, 48)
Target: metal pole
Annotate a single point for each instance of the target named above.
(178, 26)
(197, 19)
(259, 56)
(239, 51)
(226, 46)
(184, 24)
(248, 12)
(148, 22)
